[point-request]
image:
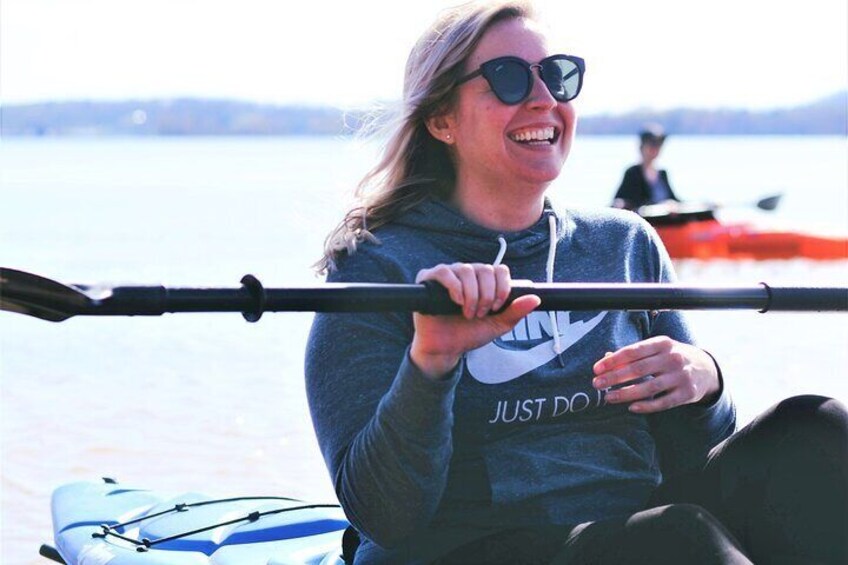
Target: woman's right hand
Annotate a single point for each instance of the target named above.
(440, 341)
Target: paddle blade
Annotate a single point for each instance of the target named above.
(769, 202)
(25, 293)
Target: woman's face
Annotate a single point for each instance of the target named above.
(491, 142)
(650, 152)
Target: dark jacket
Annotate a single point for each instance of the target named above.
(634, 189)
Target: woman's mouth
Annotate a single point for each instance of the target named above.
(535, 136)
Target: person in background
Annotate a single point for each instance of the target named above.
(643, 183)
(519, 436)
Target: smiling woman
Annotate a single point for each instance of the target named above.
(506, 435)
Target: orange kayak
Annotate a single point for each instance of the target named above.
(709, 239)
(699, 235)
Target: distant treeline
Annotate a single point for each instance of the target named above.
(828, 116)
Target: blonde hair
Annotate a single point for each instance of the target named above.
(414, 166)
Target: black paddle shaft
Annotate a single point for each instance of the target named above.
(433, 299)
(253, 300)
(49, 300)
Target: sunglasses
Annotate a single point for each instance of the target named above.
(511, 78)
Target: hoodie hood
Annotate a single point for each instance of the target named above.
(443, 225)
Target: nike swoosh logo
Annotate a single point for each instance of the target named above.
(492, 364)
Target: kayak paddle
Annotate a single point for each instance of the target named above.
(46, 299)
(769, 203)
(692, 211)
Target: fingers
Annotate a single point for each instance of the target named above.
(622, 374)
(445, 276)
(486, 285)
(631, 362)
(664, 402)
(439, 341)
(636, 352)
(479, 288)
(469, 287)
(503, 284)
(655, 375)
(518, 309)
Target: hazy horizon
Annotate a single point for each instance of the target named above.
(655, 55)
(368, 104)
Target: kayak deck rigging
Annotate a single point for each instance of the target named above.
(144, 544)
(98, 523)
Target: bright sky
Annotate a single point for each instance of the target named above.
(640, 54)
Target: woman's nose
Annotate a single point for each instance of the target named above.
(540, 97)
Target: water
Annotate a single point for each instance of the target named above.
(209, 403)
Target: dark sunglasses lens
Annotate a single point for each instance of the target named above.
(562, 78)
(509, 81)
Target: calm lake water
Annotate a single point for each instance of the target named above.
(209, 403)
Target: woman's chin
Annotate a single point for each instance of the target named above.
(542, 174)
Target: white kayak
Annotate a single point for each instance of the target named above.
(105, 523)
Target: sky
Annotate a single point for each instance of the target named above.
(651, 54)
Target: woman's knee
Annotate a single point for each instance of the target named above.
(691, 530)
(809, 418)
(675, 533)
(686, 517)
(812, 407)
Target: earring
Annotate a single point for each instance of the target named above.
(448, 137)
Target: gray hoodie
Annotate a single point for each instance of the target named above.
(517, 436)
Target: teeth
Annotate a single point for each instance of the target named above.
(541, 134)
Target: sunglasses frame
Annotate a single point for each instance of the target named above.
(487, 68)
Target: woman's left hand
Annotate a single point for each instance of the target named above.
(682, 374)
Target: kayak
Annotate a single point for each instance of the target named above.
(698, 234)
(107, 523)
(710, 239)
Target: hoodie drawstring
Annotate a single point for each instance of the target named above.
(549, 273)
(501, 252)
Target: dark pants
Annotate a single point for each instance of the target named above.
(776, 492)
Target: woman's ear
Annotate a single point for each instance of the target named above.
(441, 127)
